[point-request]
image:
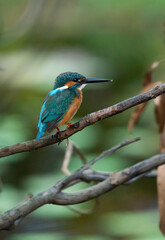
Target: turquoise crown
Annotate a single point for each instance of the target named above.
(63, 78)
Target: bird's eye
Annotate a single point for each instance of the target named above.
(77, 80)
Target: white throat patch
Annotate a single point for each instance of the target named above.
(66, 87)
(82, 86)
(61, 88)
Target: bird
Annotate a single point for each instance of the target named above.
(62, 103)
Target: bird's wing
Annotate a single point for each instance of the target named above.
(55, 106)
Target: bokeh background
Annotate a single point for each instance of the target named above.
(108, 39)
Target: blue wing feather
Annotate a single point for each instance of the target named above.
(53, 109)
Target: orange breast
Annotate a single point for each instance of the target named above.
(72, 110)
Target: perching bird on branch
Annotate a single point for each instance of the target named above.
(61, 104)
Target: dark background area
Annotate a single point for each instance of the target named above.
(106, 39)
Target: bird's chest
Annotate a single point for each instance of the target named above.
(78, 99)
(75, 103)
(75, 98)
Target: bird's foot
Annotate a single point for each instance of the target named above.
(57, 136)
(69, 124)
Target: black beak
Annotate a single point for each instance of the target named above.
(96, 80)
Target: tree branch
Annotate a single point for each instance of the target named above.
(84, 122)
(54, 195)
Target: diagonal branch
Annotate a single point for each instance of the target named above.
(110, 152)
(82, 169)
(84, 122)
(55, 196)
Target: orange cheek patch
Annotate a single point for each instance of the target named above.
(70, 84)
(83, 79)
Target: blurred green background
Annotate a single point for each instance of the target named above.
(108, 39)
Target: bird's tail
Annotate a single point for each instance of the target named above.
(41, 131)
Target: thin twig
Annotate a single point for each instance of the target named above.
(80, 153)
(86, 211)
(110, 152)
(68, 154)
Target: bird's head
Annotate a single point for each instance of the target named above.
(70, 79)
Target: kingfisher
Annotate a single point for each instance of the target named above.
(62, 103)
